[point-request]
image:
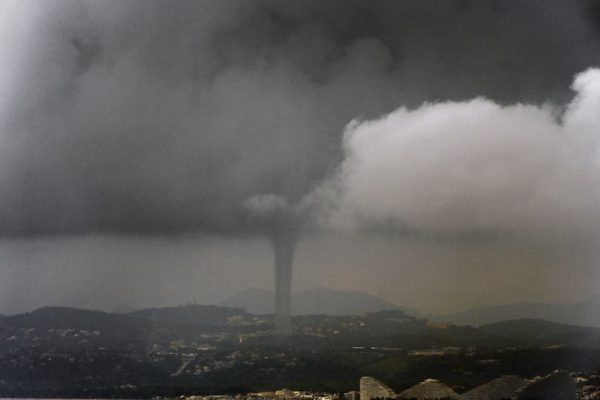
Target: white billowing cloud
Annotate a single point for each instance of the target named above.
(474, 166)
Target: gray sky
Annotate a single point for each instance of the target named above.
(132, 134)
(433, 276)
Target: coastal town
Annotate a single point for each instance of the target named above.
(226, 352)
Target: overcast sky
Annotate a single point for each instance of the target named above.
(437, 154)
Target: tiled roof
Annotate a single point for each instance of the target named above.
(429, 390)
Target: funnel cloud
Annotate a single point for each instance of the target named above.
(281, 224)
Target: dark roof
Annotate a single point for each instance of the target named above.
(556, 386)
(501, 388)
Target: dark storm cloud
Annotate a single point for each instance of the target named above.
(154, 117)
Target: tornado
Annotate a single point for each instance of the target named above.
(273, 217)
(284, 245)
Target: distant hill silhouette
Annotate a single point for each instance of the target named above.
(322, 301)
(198, 316)
(189, 315)
(122, 308)
(116, 329)
(584, 313)
(537, 332)
(384, 328)
(70, 318)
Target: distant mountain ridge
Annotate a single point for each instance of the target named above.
(584, 313)
(69, 318)
(190, 315)
(385, 328)
(317, 301)
(537, 332)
